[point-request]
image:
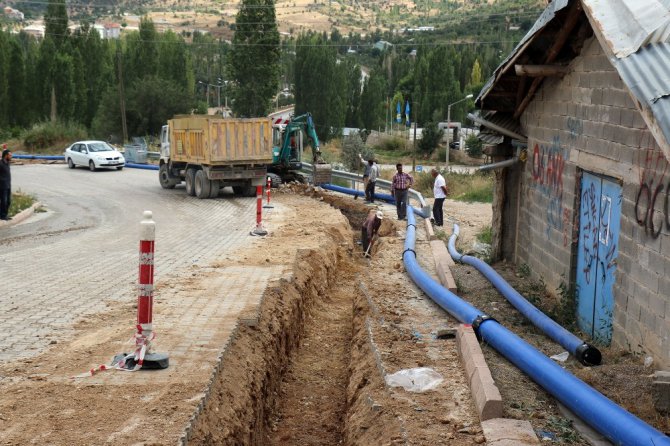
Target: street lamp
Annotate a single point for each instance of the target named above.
(446, 163)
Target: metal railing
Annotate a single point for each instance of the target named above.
(384, 184)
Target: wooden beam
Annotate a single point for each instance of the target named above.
(540, 70)
(562, 37)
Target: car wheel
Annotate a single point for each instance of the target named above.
(91, 166)
(119, 168)
(203, 186)
(190, 181)
(70, 163)
(164, 177)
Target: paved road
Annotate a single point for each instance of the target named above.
(81, 256)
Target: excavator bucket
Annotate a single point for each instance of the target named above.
(323, 173)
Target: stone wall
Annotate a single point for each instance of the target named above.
(587, 122)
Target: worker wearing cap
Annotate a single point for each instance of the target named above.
(5, 183)
(370, 228)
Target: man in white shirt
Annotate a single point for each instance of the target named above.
(372, 181)
(440, 193)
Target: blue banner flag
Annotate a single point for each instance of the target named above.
(407, 121)
(398, 116)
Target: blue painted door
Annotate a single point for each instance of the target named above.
(599, 222)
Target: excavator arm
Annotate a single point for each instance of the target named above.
(322, 172)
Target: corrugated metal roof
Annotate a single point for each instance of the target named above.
(647, 75)
(627, 25)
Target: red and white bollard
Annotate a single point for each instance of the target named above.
(143, 355)
(258, 230)
(267, 193)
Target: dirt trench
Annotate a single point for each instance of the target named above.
(302, 374)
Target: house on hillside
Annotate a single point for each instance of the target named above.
(13, 14)
(580, 110)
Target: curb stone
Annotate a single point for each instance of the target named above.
(21, 216)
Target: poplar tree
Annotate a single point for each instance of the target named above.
(254, 59)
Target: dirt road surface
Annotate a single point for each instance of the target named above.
(288, 339)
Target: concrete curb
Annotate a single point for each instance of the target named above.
(484, 390)
(21, 216)
(443, 264)
(430, 232)
(506, 432)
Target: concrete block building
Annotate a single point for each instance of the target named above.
(582, 111)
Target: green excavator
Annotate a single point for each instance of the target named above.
(288, 150)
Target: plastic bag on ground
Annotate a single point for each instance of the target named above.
(418, 379)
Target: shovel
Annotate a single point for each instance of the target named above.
(372, 241)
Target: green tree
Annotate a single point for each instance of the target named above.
(56, 21)
(320, 85)
(353, 102)
(473, 146)
(430, 138)
(254, 58)
(373, 101)
(16, 80)
(476, 76)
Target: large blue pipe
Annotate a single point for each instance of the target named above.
(584, 352)
(40, 157)
(62, 158)
(142, 166)
(357, 193)
(611, 420)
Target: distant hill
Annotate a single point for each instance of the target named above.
(293, 16)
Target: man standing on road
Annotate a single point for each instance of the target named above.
(369, 230)
(366, 175)
(372, 181)
(5, 183)
(440, 193)
(399, 186)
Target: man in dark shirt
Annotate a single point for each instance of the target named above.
(369, 230)
(399, 186)
(5, 183)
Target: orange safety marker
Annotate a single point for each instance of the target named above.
(258, 230)
(143, 355)
(267, 193)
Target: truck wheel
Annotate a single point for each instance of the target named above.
(215, 189)
(190, 181)
(249, 191)
(203, 187)
(164, 177)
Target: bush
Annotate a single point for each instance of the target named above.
(352, 145)
(53, 136)
(430, 138)
(473, 146)
(391, 144)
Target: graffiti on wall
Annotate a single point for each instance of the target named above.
(652, 199)
(547, 175)
(589, 231)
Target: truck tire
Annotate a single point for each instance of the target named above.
(164, 177)
(203, 187)
(215, 189)
(245, 191)
(190, 181)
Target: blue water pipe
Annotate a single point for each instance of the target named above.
(62, 158)
(142, 166)
(40, 157)
(584, 352)
(612, 421)
(357, 193)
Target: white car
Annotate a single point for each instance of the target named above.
(94, 155)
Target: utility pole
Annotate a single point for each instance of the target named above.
(414, 104)
(122, 96)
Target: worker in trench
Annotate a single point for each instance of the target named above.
(370, 230)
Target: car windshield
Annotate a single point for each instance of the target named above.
(99, 147)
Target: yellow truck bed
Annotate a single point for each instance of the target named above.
(216, 141)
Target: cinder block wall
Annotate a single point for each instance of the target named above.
(587, 121)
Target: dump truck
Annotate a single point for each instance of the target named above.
(210, 152)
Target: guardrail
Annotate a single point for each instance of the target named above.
(384, 184)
